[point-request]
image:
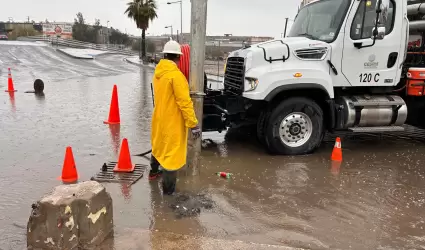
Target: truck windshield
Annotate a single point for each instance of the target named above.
(320, 20)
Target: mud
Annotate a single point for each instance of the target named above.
(374, 200)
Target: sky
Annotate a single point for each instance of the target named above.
(236, 17)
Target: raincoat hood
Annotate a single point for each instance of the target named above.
(165, 66)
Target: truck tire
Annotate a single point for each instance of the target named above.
(261, 127)
(295, 127)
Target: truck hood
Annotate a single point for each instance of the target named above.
(276, 50)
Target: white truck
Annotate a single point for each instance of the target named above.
(345, 65)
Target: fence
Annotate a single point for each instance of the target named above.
(55, 41)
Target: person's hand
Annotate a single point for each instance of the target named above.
(196, 132)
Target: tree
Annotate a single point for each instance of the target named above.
(142, 12)
(79, 29)
(83, 32)
(118, 37)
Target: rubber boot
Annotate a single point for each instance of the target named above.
(169, 180)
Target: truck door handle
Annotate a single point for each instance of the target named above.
(358, 45)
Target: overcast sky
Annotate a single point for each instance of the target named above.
(237, 17)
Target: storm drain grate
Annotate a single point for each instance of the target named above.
(107, 174)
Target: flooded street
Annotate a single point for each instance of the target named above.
(374, 200)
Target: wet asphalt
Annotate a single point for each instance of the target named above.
(374, 200)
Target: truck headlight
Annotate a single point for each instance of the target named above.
(251, 83)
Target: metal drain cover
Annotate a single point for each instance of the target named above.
(107, 174)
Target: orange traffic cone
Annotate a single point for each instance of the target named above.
(124, 162)
(10, 87)
(69, 170)
(337, 151)
(114, 112)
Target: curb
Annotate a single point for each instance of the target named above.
(139, 64)
(76, 57)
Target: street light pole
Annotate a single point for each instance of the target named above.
(197, 61)
(171, 26)
(181, 22)
(181, 19)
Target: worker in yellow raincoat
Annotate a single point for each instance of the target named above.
(172, 118)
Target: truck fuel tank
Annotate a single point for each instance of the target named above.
(372, 111)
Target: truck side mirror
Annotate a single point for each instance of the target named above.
(379, 34)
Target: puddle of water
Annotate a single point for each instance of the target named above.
(373, 200)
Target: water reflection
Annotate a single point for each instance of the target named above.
(336, 167)
(115, 132)
(126, 190)
(12, 101)
(40, 97)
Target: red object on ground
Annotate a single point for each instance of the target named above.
(10, 87)
(415, 82)
(114, 112)
(124, 162)
(184, 64)
(337, 151)
(69, 170)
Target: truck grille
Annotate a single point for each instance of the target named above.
(234, 77)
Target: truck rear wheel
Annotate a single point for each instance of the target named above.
(295, 127)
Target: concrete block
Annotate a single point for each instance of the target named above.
(78, 216)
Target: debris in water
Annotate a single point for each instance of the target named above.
(224, 175)
(187, 205)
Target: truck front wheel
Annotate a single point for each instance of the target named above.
(295, 127)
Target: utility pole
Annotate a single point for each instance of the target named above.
(197, 60)
(181, 21)
(218, 60)
(286, 26)
(170, 27)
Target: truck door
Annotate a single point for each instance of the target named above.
(377, 65)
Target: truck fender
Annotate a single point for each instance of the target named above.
(297, 86)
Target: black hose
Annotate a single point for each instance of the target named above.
(144, 154)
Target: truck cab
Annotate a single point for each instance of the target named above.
(338, 69)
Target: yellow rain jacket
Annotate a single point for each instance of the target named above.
(173, 115)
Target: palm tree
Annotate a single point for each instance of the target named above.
(142, 12)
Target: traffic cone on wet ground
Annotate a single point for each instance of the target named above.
(10, 87)
(337, 151)
(114, 112)
(69, 170)
(124, 161)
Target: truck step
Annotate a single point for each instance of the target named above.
(376, 129)
(375, 103)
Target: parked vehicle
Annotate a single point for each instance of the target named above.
(345, 65)
(4, 37)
